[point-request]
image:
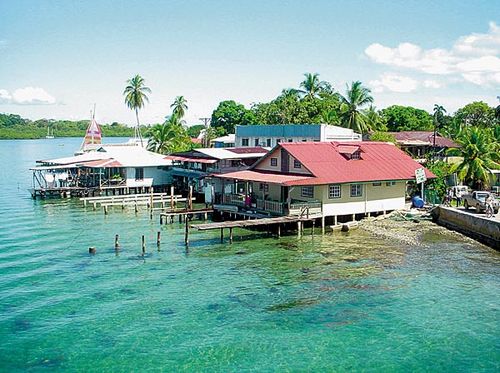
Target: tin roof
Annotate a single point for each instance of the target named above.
(379, 162)
(423, 138)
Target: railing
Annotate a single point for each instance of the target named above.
(305, 208)
(234, 199)
(270, 206)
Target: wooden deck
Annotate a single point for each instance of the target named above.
(277, 221)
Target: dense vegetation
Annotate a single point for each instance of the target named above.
(14, 127)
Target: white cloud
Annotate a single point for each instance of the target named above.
(429, 83)
(473, 57)
(27, 96)
(5, 96)
(394, 83)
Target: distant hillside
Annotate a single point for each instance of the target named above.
(12, 126)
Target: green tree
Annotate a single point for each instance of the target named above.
(383, 137)
(406, 118)
(374, 120)
(179, 107)
(477, 113)
(480, 156)
(351, 114)
(169, 137)
(194, 131)
(438, 119)
(135, 98)
(312, 86)
(229, 114)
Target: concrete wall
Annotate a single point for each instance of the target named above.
(476, 226)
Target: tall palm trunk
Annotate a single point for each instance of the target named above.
(137, 129)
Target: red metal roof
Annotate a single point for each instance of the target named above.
(379, 162)
(247, 150)
(347, 149)
(263, 177)
(190, 159)
(425, 137)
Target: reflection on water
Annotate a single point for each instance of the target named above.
(339, 302)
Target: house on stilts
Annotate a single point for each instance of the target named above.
(327, 180)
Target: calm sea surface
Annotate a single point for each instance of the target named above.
(333, 303)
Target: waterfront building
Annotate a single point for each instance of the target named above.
(271, 135)
(121, 168)
(419, 143)
(192, 167)
(227, 141)
(327, 179)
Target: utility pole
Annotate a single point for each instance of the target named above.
(206, 140)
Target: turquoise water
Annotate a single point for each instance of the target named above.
(333, 303)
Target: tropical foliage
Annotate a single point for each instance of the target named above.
(351, 114)
(169, 137)
(15, 127)
(480, 155)
(136, 98)
(179, 107)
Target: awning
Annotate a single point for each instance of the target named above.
(262, 177)
(190, 159)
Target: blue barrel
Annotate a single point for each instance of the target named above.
(417, 202)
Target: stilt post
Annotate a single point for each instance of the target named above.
(143, 245)
(117, 244)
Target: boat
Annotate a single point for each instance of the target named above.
(49, 134)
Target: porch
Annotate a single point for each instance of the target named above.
(273, 207)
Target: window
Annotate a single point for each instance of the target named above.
(139, 173)
(290, 140)
(274, 162)
(356, 190)
(278, 141)
(256, 142)
(296, 164)
(356, 155)
(334, 191)
(264, 187)
(244, 142)
(377, 184)
(304, 140)
(307, 192)
(390, 183)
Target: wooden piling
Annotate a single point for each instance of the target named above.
(222, 235)
(186, 232)
(158, 238)
(299, 228)
(323, 224)
(105, 210)
(279, 230)
(92, 250)
(312, 229)
(117, 244)
(190, 198)
(230, 235)
(143, 245)
(172, 197)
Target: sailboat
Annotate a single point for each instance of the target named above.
(93, 135)
(49, 134)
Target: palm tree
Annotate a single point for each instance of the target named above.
(373, 119)
(179, 107)
(135, 98)
(169, 137)
(351, 113)
(438, 118)
(312, 86)
(479, 154)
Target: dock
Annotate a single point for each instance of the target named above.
(275, 221)
(168, 216)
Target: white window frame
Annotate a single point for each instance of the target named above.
(307, 191)
(358, 189)
(243, 141)
(297, 164)
(275, 162)
(334, 191)
(390, 183)
(377, 184)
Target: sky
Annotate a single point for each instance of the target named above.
(58, 58)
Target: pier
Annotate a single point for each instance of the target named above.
(276, 221)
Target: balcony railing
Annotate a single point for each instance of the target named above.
(275, 207)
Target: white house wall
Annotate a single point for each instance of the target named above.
(152, 176)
